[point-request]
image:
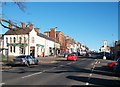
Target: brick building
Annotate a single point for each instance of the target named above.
(58, 36)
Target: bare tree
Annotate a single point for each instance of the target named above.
(21, 6)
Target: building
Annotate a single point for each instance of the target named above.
(29, 41)
(58, 36)
(105, 47)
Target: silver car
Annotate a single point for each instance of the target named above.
(25, 60)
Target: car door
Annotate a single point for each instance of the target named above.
(30, 59)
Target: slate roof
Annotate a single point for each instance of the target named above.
(18, 31)
(26, 31)
(46, 37)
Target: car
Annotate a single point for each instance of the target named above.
(72, 57)
(109, 56)
(111, 64)
(83, 52)
(117, 66)
(25, 60)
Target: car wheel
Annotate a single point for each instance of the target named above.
(28, 64)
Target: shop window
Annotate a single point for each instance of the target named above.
(14, 49)
(11, 49)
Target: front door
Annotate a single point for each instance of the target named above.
(32, 51)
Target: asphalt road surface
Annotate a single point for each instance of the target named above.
(84, 72)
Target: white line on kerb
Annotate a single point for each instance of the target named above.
(32, 74)
(2, 84)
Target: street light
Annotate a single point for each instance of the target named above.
(54, 44)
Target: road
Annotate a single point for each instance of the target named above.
(85, 71)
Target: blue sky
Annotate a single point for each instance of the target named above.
(87, 22)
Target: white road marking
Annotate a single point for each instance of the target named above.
(31, 74)
(91, 74)
(69, 63)
(53, 68)
(87, 83)
(61, 65)
(96, 62)
(2, 84)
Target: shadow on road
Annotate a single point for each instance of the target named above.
(96, 81)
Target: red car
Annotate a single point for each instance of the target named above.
(72, 57)
(111, 64)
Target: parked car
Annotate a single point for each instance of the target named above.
(83, 52)
(25, 60)
(117, 66)
(111, 64)
(72, 57)
(94, 54)
(108, 55)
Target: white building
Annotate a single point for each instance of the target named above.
(105, 47)
(28, 41)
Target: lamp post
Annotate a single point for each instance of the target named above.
(54, 44)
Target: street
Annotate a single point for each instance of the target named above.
(85, 71)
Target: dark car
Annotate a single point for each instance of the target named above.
(108, 55)
(25, 60)
(117, 66)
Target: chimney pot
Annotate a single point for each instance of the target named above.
(31, 26)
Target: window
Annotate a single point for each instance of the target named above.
(56, 35)
(33, 40)
(20, 39)
(6, 40)
(14, 39)
(10, 39)
(22, 50)
(24, 39)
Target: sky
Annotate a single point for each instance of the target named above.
(89, 23)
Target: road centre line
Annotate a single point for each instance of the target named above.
(69, 63)
(61, 65)
(31, 75)
(87, 83)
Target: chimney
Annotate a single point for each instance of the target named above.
(10, 25)
(31, 26)
(37, 30)
(23, 25)
(53, 33)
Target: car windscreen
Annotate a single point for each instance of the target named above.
(20, 57)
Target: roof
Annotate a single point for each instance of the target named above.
(46, 31)
(46, 37)
(18, 31)
(26, 31)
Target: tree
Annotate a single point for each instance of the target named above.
(21, 6)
